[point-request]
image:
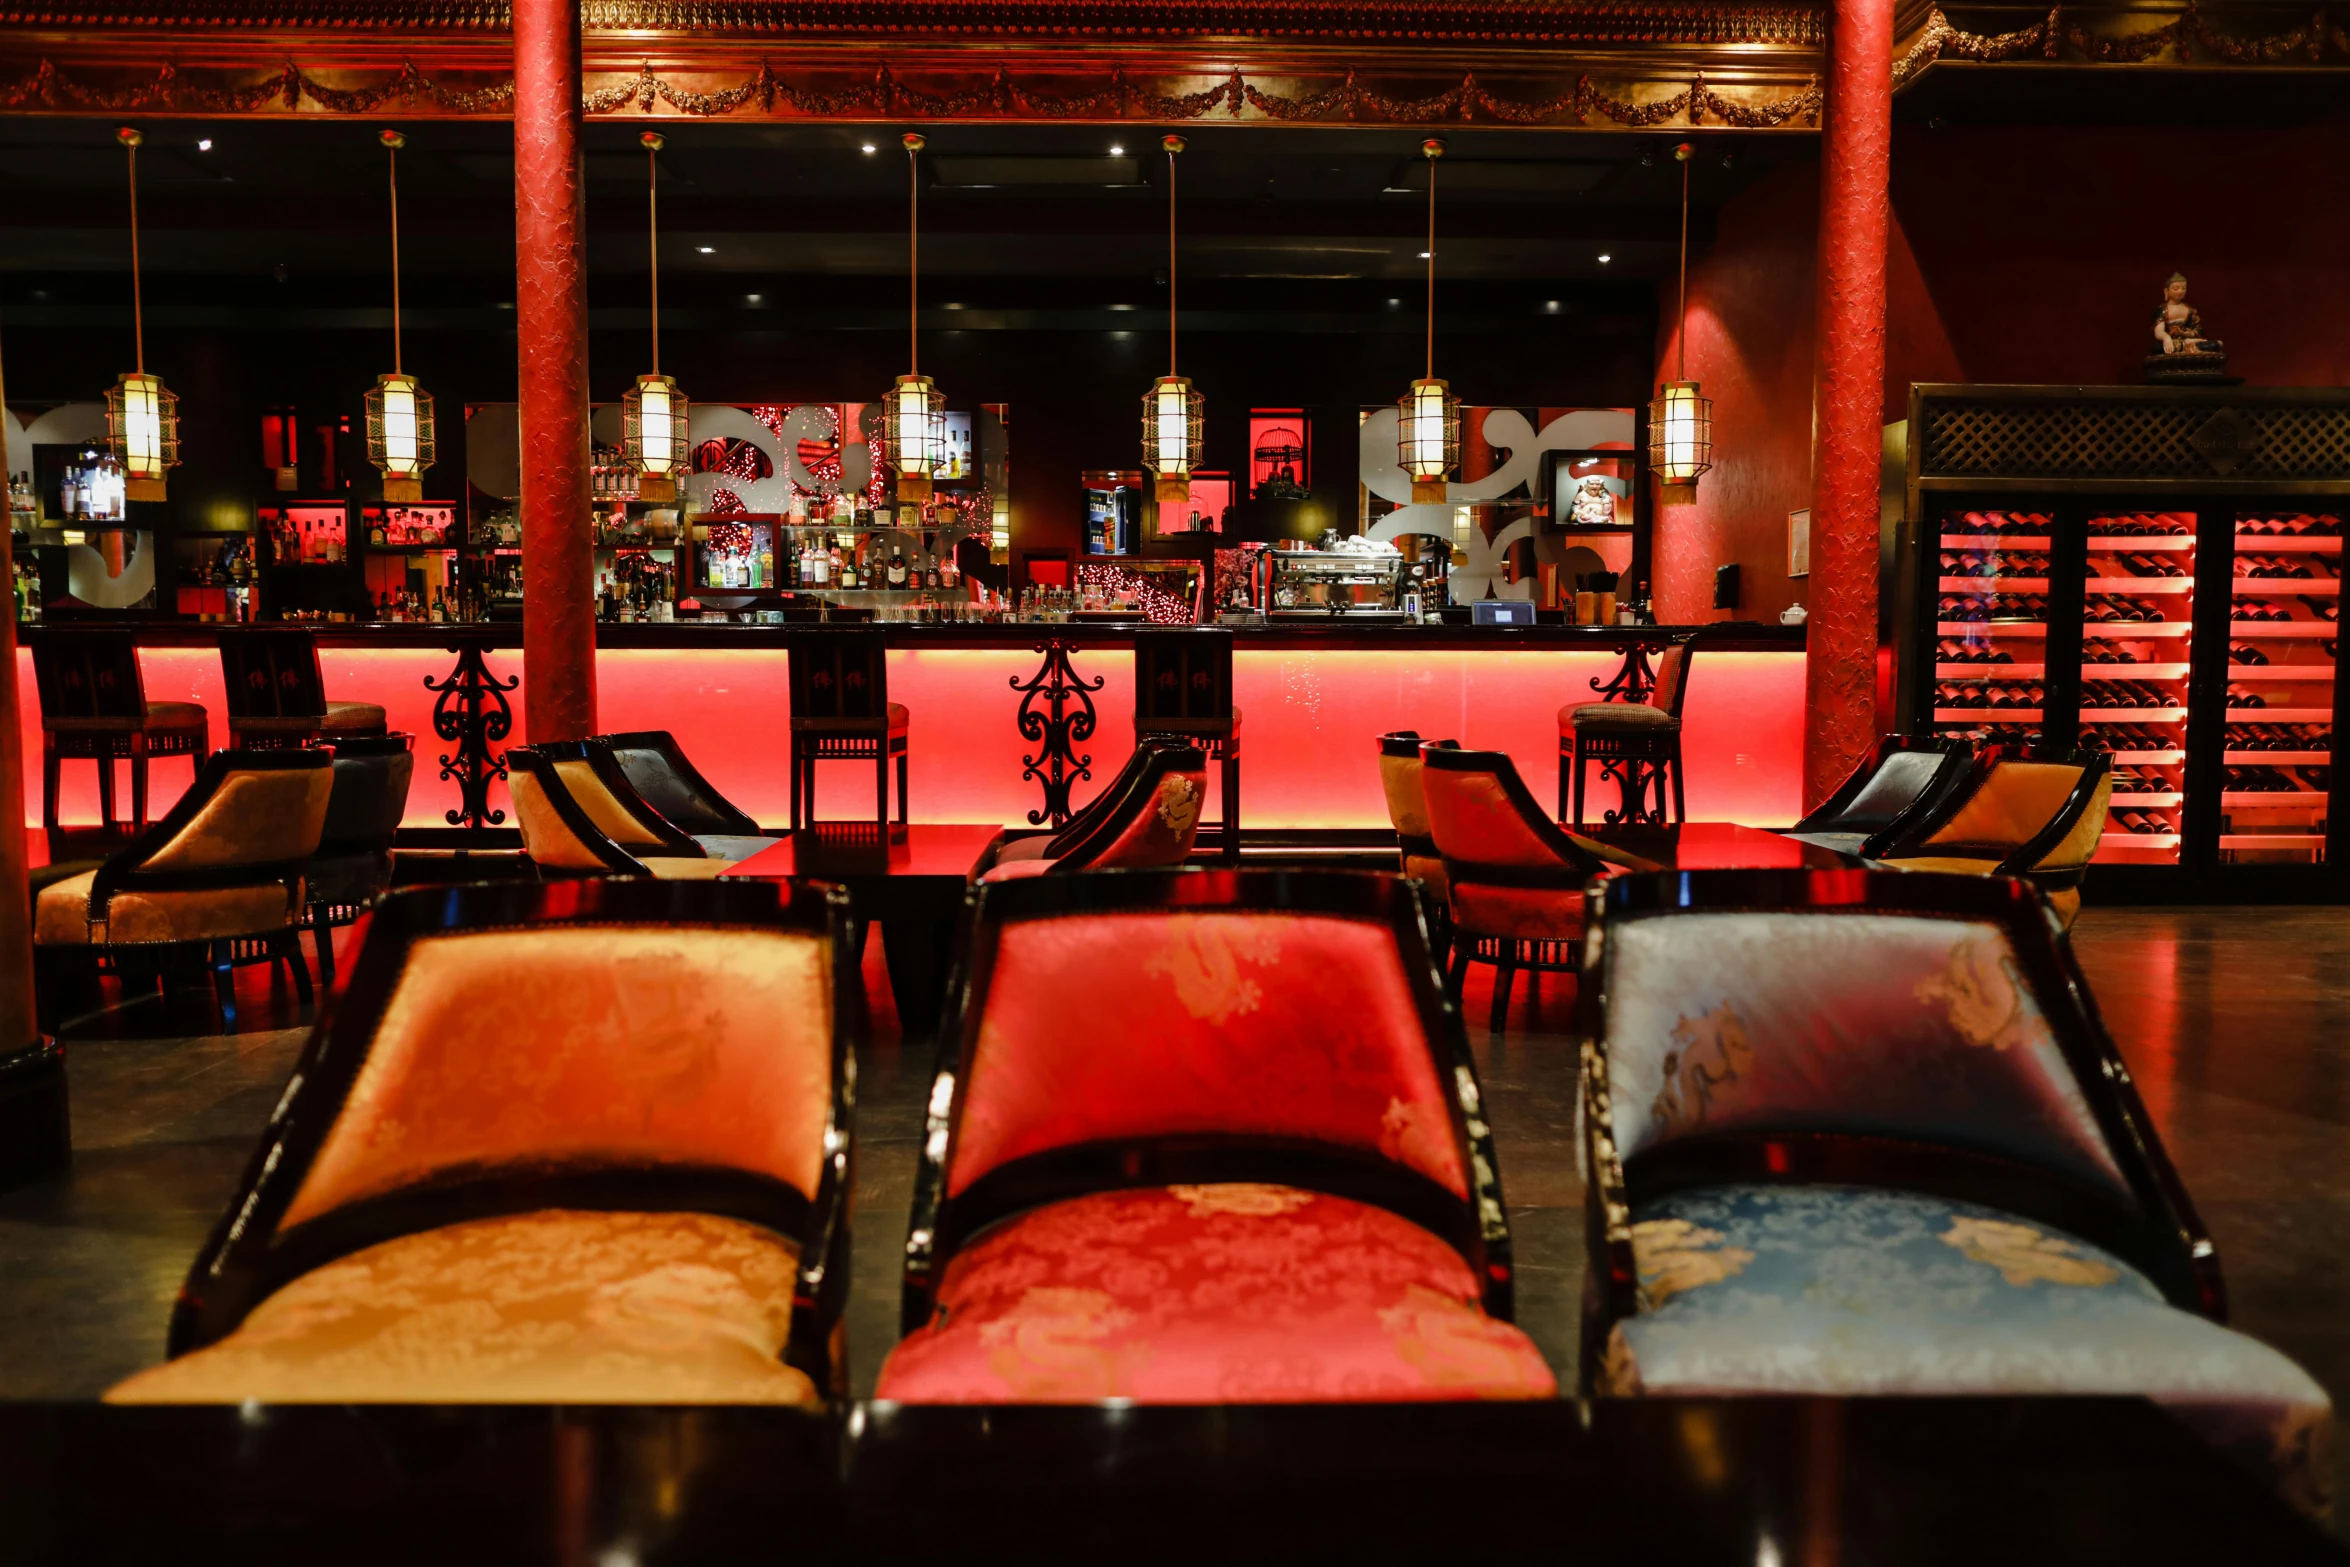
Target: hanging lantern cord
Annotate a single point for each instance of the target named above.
(130, 140)
(1432, 149)
(653, 143)
(913, 253)
(1681, 336)
(1174, 145)
(393, 141)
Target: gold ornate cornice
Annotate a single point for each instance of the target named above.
(2150, 34)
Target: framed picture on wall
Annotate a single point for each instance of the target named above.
(1799, 543)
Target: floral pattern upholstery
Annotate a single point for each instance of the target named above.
(1108, 1026)
(1520, 913)
(1867, 1024)
(1231, 1293)
(553, 1307)
(589, 1044)
(1840, 1290)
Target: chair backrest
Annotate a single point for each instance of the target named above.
(1923, 1032)
(1672, 678)
(272, 672)
(657, 769)
(839, 677)
(1904, 782)
(2030, 810)
(89, 675)
(246, 812)
(1154, 819)
(571, 820)
(1083, 825)
(1407, 801)
(1183, 681)
(512, 1047)
(1143, 1028)
(371, 779)
(1484, 820)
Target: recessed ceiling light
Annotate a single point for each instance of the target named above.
(869, 147)
(205, 145)
(1605, 258)
(754, 299)
(1117, 151)
(1427, 255)
(1551, 305)
(1395, 304)
(708, 251)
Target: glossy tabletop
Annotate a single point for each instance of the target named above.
(1718, 846)
(855, 850)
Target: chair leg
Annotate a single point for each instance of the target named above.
(1579, 761)
(139, 782)
(290, 945)
(1565, 761)
(224, 984)
(52, 767)
(106, 791)
(795, 784)
(1505, 974)
(1673, 761)
(1462, 946)
(1231, 784)
(903, 759)
(881, 788)
(322, 936)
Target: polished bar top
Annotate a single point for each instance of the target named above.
(1334, 633)
(1646, 1481)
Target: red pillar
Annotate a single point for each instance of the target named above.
(550, 310)
(1840, 678)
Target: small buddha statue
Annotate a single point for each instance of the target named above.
(2181, 351)
(1595, 505)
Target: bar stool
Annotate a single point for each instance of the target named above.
(1636, 743)
(277, 697)
(841, 712)
(94, 708)
(1183, 690)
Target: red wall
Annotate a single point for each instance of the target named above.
(2031, 254)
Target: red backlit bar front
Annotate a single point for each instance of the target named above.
(1311, 700)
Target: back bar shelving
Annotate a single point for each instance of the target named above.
(2152, 572)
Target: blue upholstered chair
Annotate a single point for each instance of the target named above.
(1859, 1132)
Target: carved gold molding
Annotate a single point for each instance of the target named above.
(2146, 35)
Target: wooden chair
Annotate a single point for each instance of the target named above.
(218, 881)
(580, 817)
(1222, 1129)
(353, 865)
(841, 712)
(1638, 744)
(1147, 817)
(1906, 783)
(2037, 814)
(276, 695)
(1183, 689)
(1856, 1132)
(94, 708)
(1407, 813)
(656, 768)
(586, 1142)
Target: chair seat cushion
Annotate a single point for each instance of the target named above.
(1595, 717)
(1199, 729)
(1841, 842)
(679, 867)
(1231, 1293)
(1527, 913)
(895, 723)
(162, 718)
(353, 718)
(1843, 1290)
(736, 850)
(1947, 864)
(553, 1307)
(61, 917)
(1017, 870)
(1430, 869)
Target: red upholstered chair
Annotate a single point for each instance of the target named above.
(1514, 878)
(276, 695)
(1206, 1137)
(841, 712)
(580, 816)
(1147, 817)
(1407, 813)
(94, 707)
(582, 1142)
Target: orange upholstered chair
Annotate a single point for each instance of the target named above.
(1514, 879)
(1148, 816)
(1206, 1137)
(2034, 814)
(581, 1142)
(580, 816)
(1407, 813)
(217, 882)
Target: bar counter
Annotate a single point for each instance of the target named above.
(1312, 695)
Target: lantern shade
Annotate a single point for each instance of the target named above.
(143, 432)
(1174, 416)
(654, 422)
(1680, 437)
(1428, 438)
(400, 437)
(914, 434)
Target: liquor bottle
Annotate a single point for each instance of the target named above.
(897, 569)
(766, 564)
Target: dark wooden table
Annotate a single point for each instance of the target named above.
(912, 883)
(1643, 1481)
(1718, 846)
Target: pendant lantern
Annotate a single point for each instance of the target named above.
(914, 417)
(400, 434)
(654, 414)
(1173, 414)
(1428, 436)
(1681, 419)
(142, 418)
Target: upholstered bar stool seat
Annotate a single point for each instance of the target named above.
(162, 718)
(1603, 717)
(1636, 743)
(547, 1307)
(1212, 1294)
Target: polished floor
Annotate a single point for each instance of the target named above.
(2236, 1022)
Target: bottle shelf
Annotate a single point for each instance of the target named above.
(1991, 671)
(2280, 715)
(2288, 544)
(2276, 758)
(2004, 628)
(2138, 840)
(2165, 758)
(2248, 630)
(2272, 840)
(2134, 715)
(1992, 715)
(2288, 587)
(2124, 544)
(1981, 586)
(2279, 674)
(2301, 798)
(2135, 630)
(2138, 585)
(2161, 801)
(1994, 541)
(2134, 671)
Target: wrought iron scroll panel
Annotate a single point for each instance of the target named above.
(473, 714)
(1057, 714)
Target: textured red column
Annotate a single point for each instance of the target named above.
(550, 309)
(1840, 679)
